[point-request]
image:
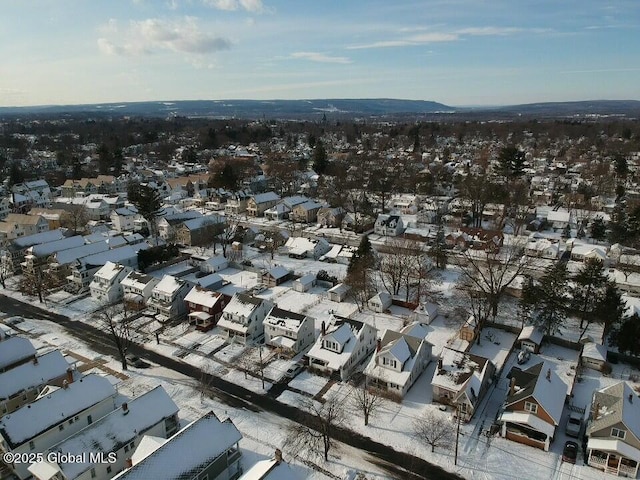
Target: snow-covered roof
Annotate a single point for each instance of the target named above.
(15, 349)
(345, 332)
(270, 469)
(38, 238)
(242, 305)
(279, 272)
(137, 280)
(209, 281)
(168, 285)
(46, 249)
(70, 255)
(285, 319)
(301, 245)
(382, 298)
(525, 418)
(37, 417)
(266, 197)
(217, 261)
(533, 333)
(117, 428)
(193, 447)
(116, 255)
(614, 445)
(594, 351)
(457, 369)
(616, 403)
(200, 296)
(307, 279)
(109, 271)
(558, 216)
(49, 366)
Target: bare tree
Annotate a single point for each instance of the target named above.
(112, 319)
(225, 231)
(253, 363)
(35, 282)
(205, 383)
(273, 240)
(434, 430)
(367, 401)
(75, 218)
(316, 439)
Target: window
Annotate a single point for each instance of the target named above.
(89, 419)
(32, 446)
(531, 407)
(616, 432)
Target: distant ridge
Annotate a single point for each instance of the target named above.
(333, 108)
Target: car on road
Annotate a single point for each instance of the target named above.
(570, 452)
(574, 425)
(135, 361)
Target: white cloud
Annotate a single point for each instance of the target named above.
(419, 39)
(320, 57)
(253, 6)
(155, 35)
(486, 31)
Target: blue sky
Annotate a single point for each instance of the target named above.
(458, 52)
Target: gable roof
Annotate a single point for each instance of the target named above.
(615, 404)
(50, 366)
(15, 349)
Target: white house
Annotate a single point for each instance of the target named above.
(388, 225)
(167, 298)
(55, 416)
(126, 219)
(380, 302)
(242, 318)
(137, 289)
(301, 247)
(288, 331)
(559, 219)
(116, 434)
(214, 264)
(305, 283)
(342, 346)
(106, 286)
(398, 362)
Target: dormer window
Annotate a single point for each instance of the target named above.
(388, 361)
(531, 407)
(618, 433)
(329, 345)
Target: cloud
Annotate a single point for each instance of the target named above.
(252, 6)
(155, 35)
(419, 39)
(320, 57)
(489, 31)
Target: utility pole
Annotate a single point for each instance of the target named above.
(261, 366)
(455, 458)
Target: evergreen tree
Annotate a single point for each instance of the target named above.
(105, 159)
(610, 312)
(320, 162)
(590, 286)
(16, 175)
(511, 162)
(225, 178)
(628, 337)
(438, 252)
(548, 299)
(149, 204)
(118, 160)
(620, 166)
(619, 227)
(359, 277)
(598, 229)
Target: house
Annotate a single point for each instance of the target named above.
(281, 211)
(542, 248)
(338, 293)
(198, 231)
(614, 431)
(593, 356)
(330, 217)
(54, 216)
(398, 362)
(342, 346)
(38, 426)
(460, 380)
(15, 251)
(482, 239)
(106, 286)
(137, 289)
(261, 202)
(15, 351)
(533, 407)
(287, 331)
(306, 212)
(271, 469)
(275, 276)
(581, 252)
(301, 247)
(388, 225)
(305, 283)
(213, 281)
(380, 302)
(214, 264)
(559, 219)
(17, 225)
(425, 312)
(23, 384)
(169, 223)
(357, 222)
(205, 307)
(236, 204)
(167, 298)
(530, 338)
(127, 219)
(206, 449)
(115, 436)
(242, 318)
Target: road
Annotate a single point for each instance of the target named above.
(401, 465)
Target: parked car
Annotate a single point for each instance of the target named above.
(293, 370)
(136, 361)
(523, 356)
(570, 452)
(574, 425)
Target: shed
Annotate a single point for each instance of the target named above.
(305, 283)
(594, 355)
(338, 293)
(380, 302)
(530, 338)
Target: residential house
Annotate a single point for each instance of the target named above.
(533, 407)
(169, 224)
(14, 253)
(167, 298)
(305, 283)
(461, 379)
(55, 216)
(301, 247)
(106, 286)
(338, 293)
(17, 225)
(275, 276)
(425, 312)
(261, 202)
(115, 436)
(342, 346)
(127, 219)
(289, 332)
(388, 225)
(198, 231)
(330, 217)
(38, 426)
(237, 203)
(5, 207)
(137, 288)
(15, 351)
(559, 219)
(23, 384)
(306, 212)
(481, 239)
(205, 307)
(613, 432)
(206, 449)
(530, 338)
(357, 222)
(398, 362)
(542, 248)
(380, 302)
(214, 264)
(242, 318)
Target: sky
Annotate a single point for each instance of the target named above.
(457, 52)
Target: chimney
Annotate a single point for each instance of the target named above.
(128, 463)
(69, 378)
(324, 328)
(512, 386)
(549, 374)
(125, 408)
(596, 413)
(65, 384)
(278, 456)
(439, 363)
(35, 360)
(378, 345)
(631, 398)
